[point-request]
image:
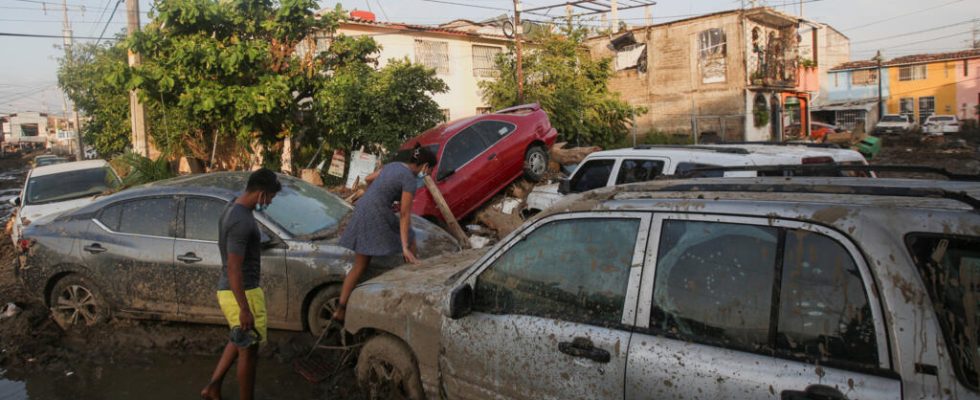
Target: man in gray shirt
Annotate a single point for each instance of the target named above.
(239, 295)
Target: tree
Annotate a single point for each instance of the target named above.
(570, 86)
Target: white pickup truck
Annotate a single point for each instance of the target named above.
(644, 163)
(893, 123)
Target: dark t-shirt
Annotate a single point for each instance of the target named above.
(238, 233)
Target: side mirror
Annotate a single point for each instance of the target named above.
(14, 201)
(460, 302)
(565, 186)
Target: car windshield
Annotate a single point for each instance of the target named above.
(305, 210)
(49, 160)
(893, 118)
(951, 267)
(941, 119)
(69, 185)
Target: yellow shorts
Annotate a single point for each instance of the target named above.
(256, 304)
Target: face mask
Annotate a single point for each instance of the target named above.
(259, 206)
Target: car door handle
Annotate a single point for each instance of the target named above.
(813, 392)
(189, 258)
(492, 156)
(583, 347)
(94, 248)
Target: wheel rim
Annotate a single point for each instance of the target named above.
(325, 314)
(384, 380)
(537, 163)
(77, 305)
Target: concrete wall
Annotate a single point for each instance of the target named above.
(839, 87)
(967, 87)
(833, 49)
(17, 122)
(940, 83)
(464, 96)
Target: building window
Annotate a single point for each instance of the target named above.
(712, 49)
(912, 72)
(850, 118)
(864, 77)
(485, 61)
(927, 107)
(906, 107)
(433, 54)
(630, 56)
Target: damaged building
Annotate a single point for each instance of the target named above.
(731, 76)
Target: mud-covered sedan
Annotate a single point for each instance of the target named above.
(152, 252)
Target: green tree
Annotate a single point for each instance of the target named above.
(570, 86)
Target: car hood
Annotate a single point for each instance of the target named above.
(408, 301)
(543, 197)
(35, 212)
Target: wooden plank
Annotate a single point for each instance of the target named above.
(447, 215)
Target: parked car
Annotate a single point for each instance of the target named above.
(59, 187)
(818, 131)
(49, 161)
(42, 157)
(893, 123)
(793, 288)
(480, 155)
(644, 163)
(152, 252)
(941, 124)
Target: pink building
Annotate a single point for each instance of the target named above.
(968, 87)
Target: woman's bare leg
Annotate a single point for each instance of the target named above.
(361, 262)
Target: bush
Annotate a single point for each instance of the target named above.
(135, 169)
(653, 137)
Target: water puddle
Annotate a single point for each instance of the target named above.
(157, 377)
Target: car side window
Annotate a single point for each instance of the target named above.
(493, 131)
(460, 149)
(714, 283)
(574, 270)
(685, 167)
(593, 174)
(152, 217)
(639, 171)
(110, 216)
(824, 312)
(201, 217)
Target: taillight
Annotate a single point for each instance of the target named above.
(818, 160)
(25, 244)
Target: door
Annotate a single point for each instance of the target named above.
(508, 155)
(198, 263)
(747, 308)
(132, 246)
(464, 170)
(552, 313)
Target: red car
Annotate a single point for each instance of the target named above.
(818, 131)
(480, 155)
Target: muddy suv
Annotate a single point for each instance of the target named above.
(788, 287)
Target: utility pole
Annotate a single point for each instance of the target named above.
(518, 30)
(878, 60)
(67, 34)
(613, 16)
(568, 16)
(141, 144)
(647, 16)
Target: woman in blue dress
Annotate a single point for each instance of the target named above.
(375, 230)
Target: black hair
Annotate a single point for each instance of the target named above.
(422, 156)
(263, 179)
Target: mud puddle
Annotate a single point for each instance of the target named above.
(154, 377)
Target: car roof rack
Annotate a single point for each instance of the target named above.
(961, 197)
(729, 150)
(806, 144)
(811, 168)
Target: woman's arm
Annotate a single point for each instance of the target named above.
(370, 178)
(405, 225)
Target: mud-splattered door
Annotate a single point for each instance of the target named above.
(551, 313)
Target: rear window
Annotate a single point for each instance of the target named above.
(69, 185)
(950, 267)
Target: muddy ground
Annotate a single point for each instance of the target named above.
(126, 358)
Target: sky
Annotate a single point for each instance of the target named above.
(28, 67)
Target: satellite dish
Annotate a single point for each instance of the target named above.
(508, 28)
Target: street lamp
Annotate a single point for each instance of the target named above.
(878, 59)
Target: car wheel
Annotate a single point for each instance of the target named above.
(320, 311)
(76, 301)
(387, 370)
(535, 163)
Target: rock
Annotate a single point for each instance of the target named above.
(572, 155)
(190, 165)
(9, 310)
(479, 242)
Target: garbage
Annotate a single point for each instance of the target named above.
(479, 242)
(509, 205)
(9, 310)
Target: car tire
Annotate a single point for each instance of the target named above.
(535, 163)
(320, 311)
(386, 369)
(76, 301)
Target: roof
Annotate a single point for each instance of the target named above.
(736, 152)
(909, 60)
(421, 29)
(68, 166)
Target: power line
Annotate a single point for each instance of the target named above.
(101, 35)
(101, 14)
(33, 35)
(867, 24)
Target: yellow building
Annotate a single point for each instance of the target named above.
(922, 85)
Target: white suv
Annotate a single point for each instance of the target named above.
(644, 163)
(893, 123)
(939, 125)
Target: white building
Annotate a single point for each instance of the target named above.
(27, 128)
(462, 55)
